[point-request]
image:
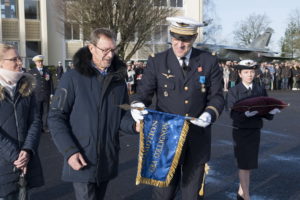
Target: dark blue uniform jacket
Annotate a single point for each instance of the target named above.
(185, 95)
(44, 84)
(238, 93)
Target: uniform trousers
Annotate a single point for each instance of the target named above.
(188, 178)
(43, 108)
(90, 191)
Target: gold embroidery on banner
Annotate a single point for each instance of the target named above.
(139, 178)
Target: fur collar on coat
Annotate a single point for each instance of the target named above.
(25, 86)
(82, 61)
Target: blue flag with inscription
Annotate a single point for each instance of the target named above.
(162, 137)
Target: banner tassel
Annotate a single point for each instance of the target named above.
(206, 169)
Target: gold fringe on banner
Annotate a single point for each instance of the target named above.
(141, 153)
(140, 179)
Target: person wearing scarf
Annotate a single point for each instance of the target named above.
(20, 127)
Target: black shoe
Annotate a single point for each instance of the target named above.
(238, 197)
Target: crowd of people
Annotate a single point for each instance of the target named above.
(134, 74)
(279, 75)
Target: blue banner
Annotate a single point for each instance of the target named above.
(162, 137)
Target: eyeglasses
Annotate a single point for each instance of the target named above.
(106, 51)
(15, 59)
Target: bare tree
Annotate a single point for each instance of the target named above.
(128, 18)
(248, 29)
(290, 43)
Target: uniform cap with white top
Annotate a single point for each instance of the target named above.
(246, 64)
(38, 58)
(184, 25)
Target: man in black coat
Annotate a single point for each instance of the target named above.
(85, 118)
(59, 70)
(44, 88)
(186, 81)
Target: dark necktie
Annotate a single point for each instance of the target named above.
(249, 91)
(185, 68)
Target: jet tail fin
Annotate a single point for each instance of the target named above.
(262, 41)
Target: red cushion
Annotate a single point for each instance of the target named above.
(262, 104)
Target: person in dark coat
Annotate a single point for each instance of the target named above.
(277, 76)
(19, 126)
(85, 119)
(44, 88)
(59, 70)
(295, 76)
(246, 136)
(286, 74)
(69, 66)
(188, 82)
(233, 76)
(266, 78)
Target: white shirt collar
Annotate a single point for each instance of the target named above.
(248, 86)
(187, 58)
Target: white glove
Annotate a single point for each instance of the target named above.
(274, 111)
(136, 114)
(204, 120)
(251, 113)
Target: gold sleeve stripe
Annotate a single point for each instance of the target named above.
(215, 110)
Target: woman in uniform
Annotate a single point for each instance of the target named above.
(246, 135)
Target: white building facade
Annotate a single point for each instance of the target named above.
(33, 26)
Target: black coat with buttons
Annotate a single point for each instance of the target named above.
(185, 95)
(44, 84)
(238, 93)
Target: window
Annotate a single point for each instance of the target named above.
(176, 3)
(72, 31)
(32, 9)
(161, 33)
(160, 2)
(33, 48)
(8, 9)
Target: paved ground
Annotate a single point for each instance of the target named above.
(276, 179)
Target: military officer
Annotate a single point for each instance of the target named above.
(186, 81)
(44, 88)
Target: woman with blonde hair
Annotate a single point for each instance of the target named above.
(20, 127)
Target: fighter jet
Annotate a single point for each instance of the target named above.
(258, 50)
